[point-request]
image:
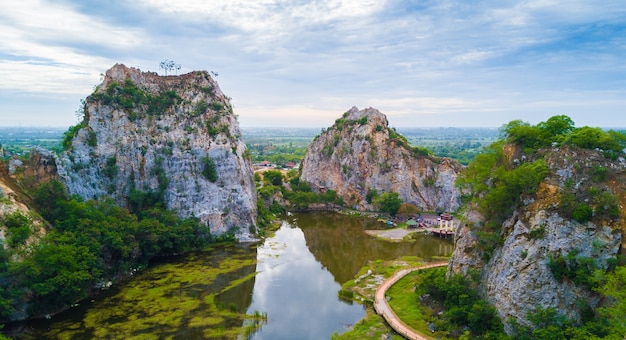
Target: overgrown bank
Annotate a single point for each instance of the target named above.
(87, 246)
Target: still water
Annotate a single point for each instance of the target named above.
(292, 278)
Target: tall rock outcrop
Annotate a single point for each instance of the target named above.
(360, 153)
(147, 137)
(517, 278)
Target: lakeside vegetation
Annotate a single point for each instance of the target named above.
(88, 244)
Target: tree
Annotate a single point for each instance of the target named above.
(408, 209)
(557, 125)
(615, 288)
(169, 65)
(389, 202)
(275, 177)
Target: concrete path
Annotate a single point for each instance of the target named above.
(382, 306)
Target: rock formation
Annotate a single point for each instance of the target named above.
(360, 153)
(517, 278)
(173, 138)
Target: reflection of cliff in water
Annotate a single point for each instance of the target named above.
(340, 244)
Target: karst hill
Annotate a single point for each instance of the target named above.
(547, 216)
(360, 156)
(175, 139)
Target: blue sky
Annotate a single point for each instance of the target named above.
(295, 63)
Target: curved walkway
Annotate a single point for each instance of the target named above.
(382, 306)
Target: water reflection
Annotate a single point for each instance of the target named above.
(340, 244)
(297, 293)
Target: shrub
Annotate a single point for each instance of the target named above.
(582, 213)
(110, 168)
(19, 228)
(274, 177)
(69, 135)
(371, 195)
(210, 170)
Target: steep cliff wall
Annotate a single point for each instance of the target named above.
(174, 137)
(360, 153)
(517, 278)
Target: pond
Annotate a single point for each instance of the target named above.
(290, 281)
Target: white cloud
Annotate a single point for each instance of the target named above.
(41, 47)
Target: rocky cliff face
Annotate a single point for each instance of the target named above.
(517, 278)
(173, 137)
(360, 153)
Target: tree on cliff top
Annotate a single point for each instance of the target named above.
(169, 65)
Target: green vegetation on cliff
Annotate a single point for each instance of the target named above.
(498, 183)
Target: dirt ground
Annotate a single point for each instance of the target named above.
(391, 234)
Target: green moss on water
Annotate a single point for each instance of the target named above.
(171, 300)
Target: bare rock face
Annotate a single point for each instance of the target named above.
(360, 153)
(172, 137)
(517, 278)
(40, 167)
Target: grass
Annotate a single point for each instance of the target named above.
(363, 288)
(405, 303)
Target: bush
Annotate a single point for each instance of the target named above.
(582, 213)
(274, 177)
(463, 305)
(210, 170)
(69, 135)
(579, 270)
(19, 228)
(389, 202)
(371, 195)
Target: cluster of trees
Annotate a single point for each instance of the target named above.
(560, 130)
(463, 306)
(498, 185)
(387, 202)
(301, 195)
(90, 242)
(465, 310)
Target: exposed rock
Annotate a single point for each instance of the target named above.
(360, 153)
(39, 168)
(517, 279)
(157, 134)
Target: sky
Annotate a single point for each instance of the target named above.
(295, 63)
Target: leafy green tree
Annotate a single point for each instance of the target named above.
(557, 125)
(389, 202)
(274, 177)
(614, 288)
(591, 138)
(59, 274)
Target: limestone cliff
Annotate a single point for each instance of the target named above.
(174, 137)
(360, 153)
(517, 278)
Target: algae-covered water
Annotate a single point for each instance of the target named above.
(283, 288)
